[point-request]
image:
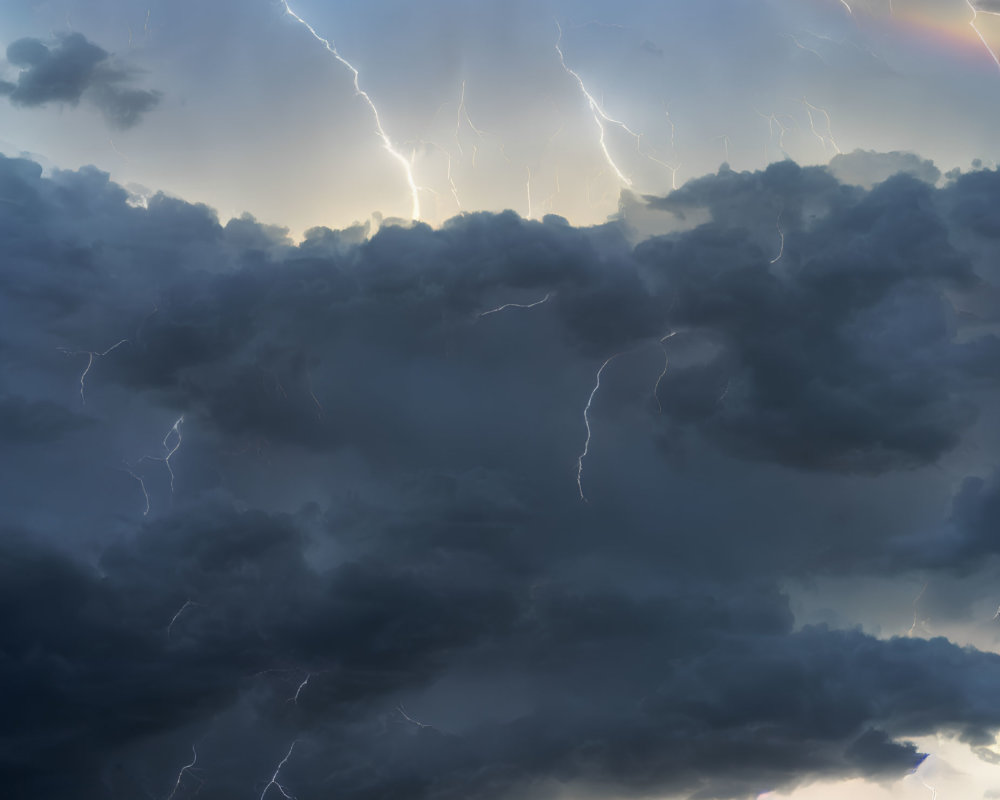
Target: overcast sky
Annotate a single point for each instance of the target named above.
(593, 401)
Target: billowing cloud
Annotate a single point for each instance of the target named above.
(319, 506)
(74, 69)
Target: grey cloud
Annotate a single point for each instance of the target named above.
(75, 69)
(376, 489)
(866, 167)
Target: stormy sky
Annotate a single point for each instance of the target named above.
(487, 401)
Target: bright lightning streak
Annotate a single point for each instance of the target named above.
(180, 775)
(463, 113)
(274, 778)
(91, 355)
(828, 136)
(386, 141)
(662, 375)
(972, 24)
(781, 248)
(175, 429)
(295, 698)
(516, 305)
(586, 422)
(928, 787)
(187, 604)
(600, 115)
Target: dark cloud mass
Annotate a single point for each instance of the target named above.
(71, 70)
(318, 505)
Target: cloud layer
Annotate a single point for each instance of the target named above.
(312, 499)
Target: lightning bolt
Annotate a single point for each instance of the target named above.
(772, 122)
(586, 422)
(916, 602)
(142, 485)
(662, 375)
(463, 113)
(175, 429)
(91, 355)
(725, 145)
(781, 248)
(673, 130)
(801, 46)
(972, 24)
(274, 778)
(516, 305)
(601, 117)
(187, 768)
(187, 604)
(823, 138)
(295, 698)
(379, 130)
(411, 720)
(320, 412)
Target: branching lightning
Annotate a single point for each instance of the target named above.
(824, 138)
(187, 769)
(928, 787)
(142, 485)
(972, 24)
(380, 131)
(463, 113)
(601, 117)
(274, 778)
(175, 430)
(91, 355)
(505, 306)
(774, 122)
(586, 422)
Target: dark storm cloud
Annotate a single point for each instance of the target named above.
(72, 69)
(825, 346)
(370, 519)
(966, 539)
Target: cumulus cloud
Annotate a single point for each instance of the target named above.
(321, 498)
(867, 167)
(73, 69)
